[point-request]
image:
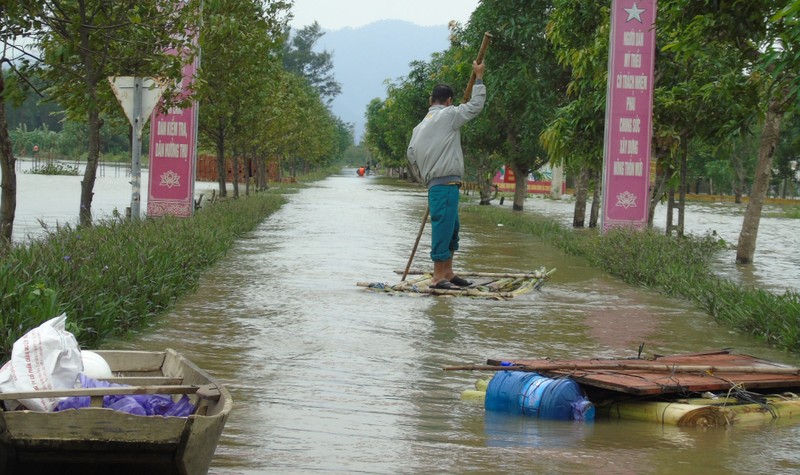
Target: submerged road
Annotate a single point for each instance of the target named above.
(328, 377)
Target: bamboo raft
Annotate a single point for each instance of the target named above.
(486, 285)
(709, 389)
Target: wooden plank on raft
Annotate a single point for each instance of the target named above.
(715, 371)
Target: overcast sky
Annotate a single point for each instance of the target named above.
(338, 14)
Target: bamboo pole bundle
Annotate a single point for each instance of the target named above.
(540, 274)
(473, 395)
(423, 280)
(469, 293)
(709, 415)
(683, 415)
(500, 289)
(499, 284)
(525, 286)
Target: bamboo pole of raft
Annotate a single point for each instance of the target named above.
(492, 275)
(469, 293)
(710, 415)
(658, 367)
(681, 415)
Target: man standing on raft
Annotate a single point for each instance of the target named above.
(435, 150)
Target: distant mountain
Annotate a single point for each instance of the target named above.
(364, 58)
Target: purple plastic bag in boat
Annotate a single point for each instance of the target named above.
(139, 404)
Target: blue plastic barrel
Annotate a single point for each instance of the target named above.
(534, 395)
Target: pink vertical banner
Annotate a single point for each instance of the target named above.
(173, 154)
(629, 114)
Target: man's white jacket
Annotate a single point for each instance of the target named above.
(435, 147)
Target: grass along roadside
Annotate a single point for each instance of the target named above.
(678, 267)
(118, 274)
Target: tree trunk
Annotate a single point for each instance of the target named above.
(520, 187)
(90, 174)
(657, 189)
(682, 192)
(222, 172)
(485, 185)
(670, 211)
(235, 170)
(248, 175)
(581, 193)
(93, 124)
(8, 195)
(752, 215)
(594, 213)
(261, 166)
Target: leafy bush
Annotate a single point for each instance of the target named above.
(116, 275)
(55, 169)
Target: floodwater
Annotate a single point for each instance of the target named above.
(47, 201)
(328, 377)
(776, 265)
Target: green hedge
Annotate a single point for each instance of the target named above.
(114, 276)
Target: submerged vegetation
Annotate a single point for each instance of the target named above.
(55, 169)
(792, 212)
(117, 275)
(678, 267)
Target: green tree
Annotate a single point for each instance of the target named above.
(764, 35)
(526, 83)
(239, 39)
(300, 58)
(698, 99)
(579, 33)
(85, 41)
(17, 19)
(787, 157)
(34, 111)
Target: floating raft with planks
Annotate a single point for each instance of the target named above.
(709, 389)
(486, 285)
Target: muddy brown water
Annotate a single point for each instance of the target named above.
(330, 378)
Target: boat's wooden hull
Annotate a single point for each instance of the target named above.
(96, 440)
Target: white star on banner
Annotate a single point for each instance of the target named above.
(634, 12)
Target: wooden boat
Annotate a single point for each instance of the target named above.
(95, 440)
(709, 389)
(486, 285)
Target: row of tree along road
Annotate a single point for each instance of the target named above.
(263, 95)
(725, 100)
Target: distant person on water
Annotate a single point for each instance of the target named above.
(361, 171)
(435, 153)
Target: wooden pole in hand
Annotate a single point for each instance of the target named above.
(481, 53)
(416, 243)
(467, 93)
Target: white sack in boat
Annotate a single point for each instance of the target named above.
(47, 357)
